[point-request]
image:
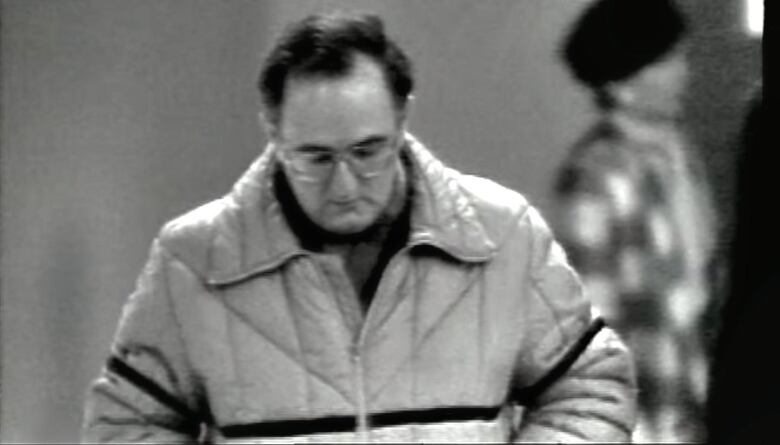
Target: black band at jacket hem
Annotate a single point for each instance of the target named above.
(341, 424)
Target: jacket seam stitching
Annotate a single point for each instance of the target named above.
(522, 220)
(301, 356)
(170, 257)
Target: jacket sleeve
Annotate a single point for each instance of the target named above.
(147, 391)
(595, 399)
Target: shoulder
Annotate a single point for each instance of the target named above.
(603, 148)
(595, 161)
(191, 237)
(500, 209)
(492, 198)
(518, 229)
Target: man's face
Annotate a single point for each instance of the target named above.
(354, 115)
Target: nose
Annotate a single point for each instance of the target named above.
(344, 183)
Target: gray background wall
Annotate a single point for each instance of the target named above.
(117, 116)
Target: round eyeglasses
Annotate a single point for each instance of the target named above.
(316, 164)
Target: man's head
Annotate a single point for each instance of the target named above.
(335, 92)
(323, 46)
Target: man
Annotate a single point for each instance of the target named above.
(351, 287)
(634, 210)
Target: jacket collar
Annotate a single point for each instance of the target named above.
(442, 217)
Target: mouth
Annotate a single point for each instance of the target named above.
(345, 205)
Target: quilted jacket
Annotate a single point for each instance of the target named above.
(237, 334)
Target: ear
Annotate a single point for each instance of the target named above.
(405, 114)
(270, 129)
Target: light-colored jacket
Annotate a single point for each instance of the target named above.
(235, 326)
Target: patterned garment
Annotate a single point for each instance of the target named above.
(634, 216)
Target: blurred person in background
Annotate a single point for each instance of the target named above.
(351, 287)
(633, 207)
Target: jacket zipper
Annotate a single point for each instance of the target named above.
(363, 424)
(356, 347)
(362, 418)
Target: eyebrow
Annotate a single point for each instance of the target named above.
(318, 148)
(370, 140)
(312, 148)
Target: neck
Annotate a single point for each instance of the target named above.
(313, 237)
(362, 255)
(651, 115)
(640, 121)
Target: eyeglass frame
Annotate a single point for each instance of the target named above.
(394, 144)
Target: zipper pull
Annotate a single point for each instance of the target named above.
(362, 414)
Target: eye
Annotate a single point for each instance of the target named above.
(312, 155)
(319, 158)
(368, 149)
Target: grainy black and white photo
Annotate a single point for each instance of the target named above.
(430, 221)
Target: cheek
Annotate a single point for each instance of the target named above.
(380, 191)
(309, 197)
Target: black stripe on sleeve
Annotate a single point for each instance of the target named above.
(150, 387)
(527, 396)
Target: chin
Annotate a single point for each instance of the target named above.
(348, 225)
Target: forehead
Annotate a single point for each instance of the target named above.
(340, 109)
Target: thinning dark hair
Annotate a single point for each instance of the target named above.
(325, 45)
